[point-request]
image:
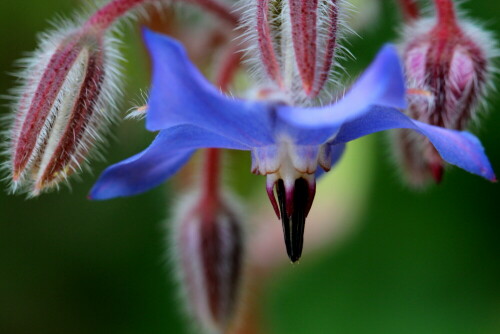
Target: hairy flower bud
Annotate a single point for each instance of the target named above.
(295, 43)
(447, 64)
(60, 109)
(209, 248)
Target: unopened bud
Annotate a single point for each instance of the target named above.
(447, 63)
(295, 42)
(209, 248)
(314, 48)
(60, 111)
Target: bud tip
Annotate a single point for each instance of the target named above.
(437, 172)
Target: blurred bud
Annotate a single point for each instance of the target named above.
(60, 107)
(209, 249)
(410, 9)
(447, 63)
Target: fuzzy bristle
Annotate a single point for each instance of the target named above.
(31, 177)
(330, 51)
(449, 67)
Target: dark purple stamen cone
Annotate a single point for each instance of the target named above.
(294, 219)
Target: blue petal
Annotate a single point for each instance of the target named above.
(382, 84)
(458, 148)
(171, 149)
(181, 95)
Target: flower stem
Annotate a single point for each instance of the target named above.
(108, 14)
(210, 193)
(446, 17)
(219, 9)
(229, 64)
(410, 10)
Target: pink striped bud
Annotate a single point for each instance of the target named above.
(209, 248)
(295, 42)
(447, 64)
(61, 107)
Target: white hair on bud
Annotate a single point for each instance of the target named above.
(30, 71)
(249, 40)
(58, 118)
(472, 83)
(29, 75)
(140, 12)
(341, 53)
(140, 109)
(281, 35)
(104, 110)
(184, 208)
(486, 39)
(482, 38)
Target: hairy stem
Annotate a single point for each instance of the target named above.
(229, 65)
(445, 11)
(211, 168)
(108, 14)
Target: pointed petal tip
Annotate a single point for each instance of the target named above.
(388, 53)
(152, 125)
(145, 31)
(97, 193)
(149, 34)
(93, 194)
(390, 48)
(389, 64)
(90, 195)
(270, 193)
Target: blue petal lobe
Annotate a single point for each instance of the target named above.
(181, 95)
(458, 148)
(171, 149)
(382, 84)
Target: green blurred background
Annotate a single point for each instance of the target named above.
(420, 262)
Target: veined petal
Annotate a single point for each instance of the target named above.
(171, 149)
(382, 84)
(458, 148)
(181, 95)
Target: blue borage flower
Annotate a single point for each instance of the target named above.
(288, 144)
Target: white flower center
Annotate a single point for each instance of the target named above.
(288, 161)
